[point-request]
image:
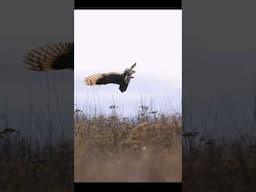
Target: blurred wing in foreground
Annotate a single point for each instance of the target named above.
(52, 57)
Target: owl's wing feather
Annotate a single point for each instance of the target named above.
(52, 57)
(103, 78)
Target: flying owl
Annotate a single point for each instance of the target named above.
(122, 79)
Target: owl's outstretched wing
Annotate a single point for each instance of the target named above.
(52, 57)
(103, 78)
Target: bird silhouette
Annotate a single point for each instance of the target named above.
(57, 56)
(122, 79)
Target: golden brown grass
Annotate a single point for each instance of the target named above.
(111, 149)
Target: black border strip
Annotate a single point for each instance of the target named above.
(159, 4)
(117, 187)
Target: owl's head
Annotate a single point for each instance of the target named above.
(128, 73)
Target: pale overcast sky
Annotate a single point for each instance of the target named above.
(112, 40)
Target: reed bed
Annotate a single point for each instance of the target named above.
(143, 148)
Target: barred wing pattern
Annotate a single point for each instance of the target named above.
(52, 57)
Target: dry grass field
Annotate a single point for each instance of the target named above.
(142, 149)
(116, 149)
(27, 166)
